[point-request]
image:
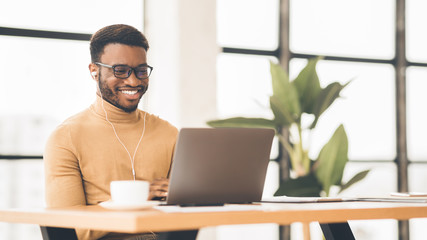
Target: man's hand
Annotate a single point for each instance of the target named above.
(159, 189)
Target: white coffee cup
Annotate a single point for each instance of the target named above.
(129, 192)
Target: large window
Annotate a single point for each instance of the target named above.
(362, 41)
(45, 79)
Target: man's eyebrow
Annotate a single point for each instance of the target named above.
(123, 64)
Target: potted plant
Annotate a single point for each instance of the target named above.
(291, 103)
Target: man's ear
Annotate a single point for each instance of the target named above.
(93, 69)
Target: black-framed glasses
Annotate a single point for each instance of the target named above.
(124, 71)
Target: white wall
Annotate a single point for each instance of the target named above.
(183, 50)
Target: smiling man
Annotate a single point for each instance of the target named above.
(122, 89)
(112, 139)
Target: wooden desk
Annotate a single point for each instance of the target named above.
(97, 218)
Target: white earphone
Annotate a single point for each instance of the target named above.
(93, 74)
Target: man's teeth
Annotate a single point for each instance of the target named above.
(130, 92)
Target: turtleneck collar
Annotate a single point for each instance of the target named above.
(114, 113)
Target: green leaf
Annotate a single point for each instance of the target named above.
(332, 160)
(242, 122)
(356, 178)
(285, 95)
(279, 79)
(308, 86)
(325, 99)
(282, 116)
(306, 186)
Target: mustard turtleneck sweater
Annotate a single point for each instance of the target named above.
(83, 155)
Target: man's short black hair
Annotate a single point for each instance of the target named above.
(118, 33)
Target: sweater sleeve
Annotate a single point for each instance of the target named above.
(63, 180)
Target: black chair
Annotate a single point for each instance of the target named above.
(337, 231)
(53, 233)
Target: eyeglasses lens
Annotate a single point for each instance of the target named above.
(122, 71)
(142, 72)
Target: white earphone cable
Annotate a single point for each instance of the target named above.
(132, 159)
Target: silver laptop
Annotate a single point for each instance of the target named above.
(213, 166)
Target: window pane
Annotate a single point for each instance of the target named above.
(417, 228)
(416, 113)
(367, 108)
(380, 181)
(375, 229)
(243, 86)
(43, 82)
(247, 232)
(416, 36)
(21, 186)
(358, 28)
(248, 23)
(70, 16)
(417, 177)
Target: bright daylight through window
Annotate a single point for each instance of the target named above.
(359, 41)
(44, 80)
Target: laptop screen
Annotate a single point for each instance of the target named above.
(213, 166)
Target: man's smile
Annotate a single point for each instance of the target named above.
(129, 92)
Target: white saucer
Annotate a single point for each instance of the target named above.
(115, 206)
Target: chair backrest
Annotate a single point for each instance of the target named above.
(53, 233)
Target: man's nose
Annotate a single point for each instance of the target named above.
(132, 80)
